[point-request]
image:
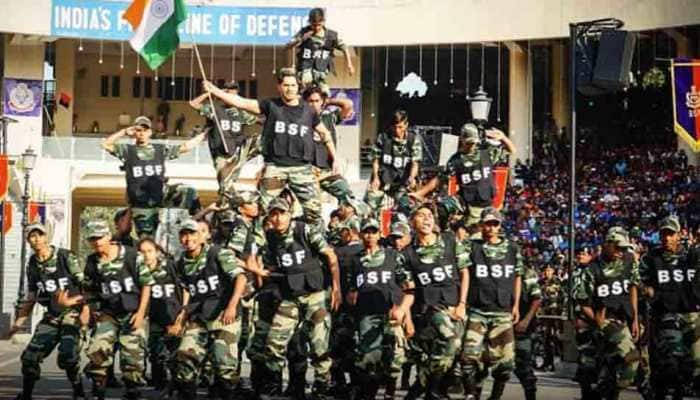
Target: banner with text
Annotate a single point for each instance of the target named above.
(686, 100)
(93, 19)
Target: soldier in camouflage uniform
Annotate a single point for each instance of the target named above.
(288, 145)
(293, 249)
(609, 295)
(332, 112)
(163, 313)
(436, 277)
(471, 167)
(668, 273)
(316, 44)
(531, 297)
(214, 281)
(55, 281)
(552, 305)
(120, 289)
(495, 268)
(396, 158)
(230, 147)
(343, 321)
(381, 310)
(587, 335)
(144, 165)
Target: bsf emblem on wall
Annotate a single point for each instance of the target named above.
(692, 101)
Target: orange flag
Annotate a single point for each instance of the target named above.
(6, 217)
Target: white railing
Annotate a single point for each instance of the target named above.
(88, 148)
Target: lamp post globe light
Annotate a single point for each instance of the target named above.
(480, 105)
(28, 162)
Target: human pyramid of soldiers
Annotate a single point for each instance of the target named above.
(446, 291)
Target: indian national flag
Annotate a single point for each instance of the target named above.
(155, 25)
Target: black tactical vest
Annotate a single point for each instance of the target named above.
(120, 293)
(394, 168)
(315, 55)
(49, 283)
(300, 266)
(210, 288)
(166, 297)
(476, 181)
(145, 178)
(491, 280)
(288, 134)
(231, 131)
(321, 156)
(377, 290)
(436, 283)
(672, 283)
(612, 292)
(346, 258)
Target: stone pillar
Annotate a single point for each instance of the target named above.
(560, 86)
(65, 83)
(519, 110)
(24, 59)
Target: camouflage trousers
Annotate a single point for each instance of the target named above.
(523, 361)
(211, 338)
(63, 331)
(342, 339)
(381, 348)
(378, 199)
(247, 329)
(333, 184)
(228, 169)
(488, 342)
(676, 349)
(161, 352)
(587, 347)
(292, 314)
(619, 353)
(132, 350)
(300, 180)
(311, 77)
(265, 308)
(438, 338)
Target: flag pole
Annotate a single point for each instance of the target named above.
(213, 108)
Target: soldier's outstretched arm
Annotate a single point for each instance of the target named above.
(229, 315)
(250, 105)
(336, 296)
(108, 142)
(192, 143)
(346, 106)
(327, 138)
(635, 312)
(497, 134)
(140, 314)
(197, 102)
(517, 288)
(23, 313)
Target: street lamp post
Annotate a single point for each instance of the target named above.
(28, 162)
(480, 105)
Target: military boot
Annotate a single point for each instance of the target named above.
(530, 394)
(415, 391)
(390, 388)
(27, 388)
(497, 390)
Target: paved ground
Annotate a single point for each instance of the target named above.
(53, 384)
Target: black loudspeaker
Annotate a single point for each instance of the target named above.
(586, 52)
(612, 67)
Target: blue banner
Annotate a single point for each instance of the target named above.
(686, 100)
(93, 19)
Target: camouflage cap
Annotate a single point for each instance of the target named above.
(469, 133)
(491, 214)
(370, 223)
(188, 225)
(618, 236)
(352, 223)
(400, 229)
(278, 203)
(35, 227)
(97, 229)
(245, 197)
(670, 224)
(143, 121)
